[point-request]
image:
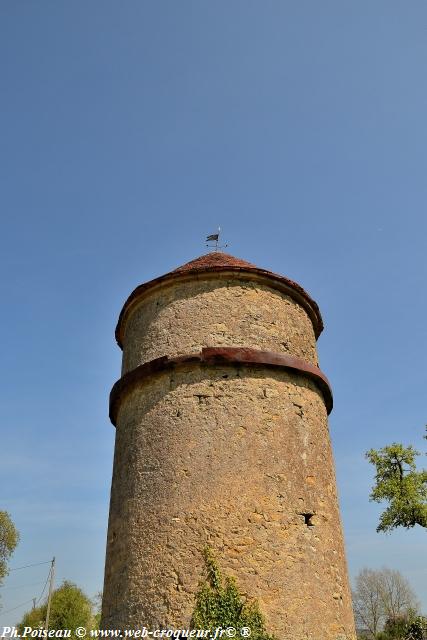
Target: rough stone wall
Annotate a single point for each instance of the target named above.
(232, 457)
(184, 317)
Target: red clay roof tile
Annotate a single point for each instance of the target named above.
(214, 259)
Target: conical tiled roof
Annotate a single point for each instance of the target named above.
(216, 261)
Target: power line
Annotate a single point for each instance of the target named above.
(32, 599)
(37, 564)
(19, 605)
(47, 580)
(21, 586)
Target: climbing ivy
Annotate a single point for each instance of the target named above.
(219, 604)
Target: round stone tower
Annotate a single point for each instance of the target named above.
(222, 440)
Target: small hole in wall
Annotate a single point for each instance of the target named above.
(225, 375)
(307, 519)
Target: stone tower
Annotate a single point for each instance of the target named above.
(222, 439)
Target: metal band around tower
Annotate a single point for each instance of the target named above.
(233, 356)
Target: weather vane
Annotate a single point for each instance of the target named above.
(214, 237)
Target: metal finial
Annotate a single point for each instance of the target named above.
(214, 237)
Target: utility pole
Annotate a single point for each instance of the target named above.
(52, 574)
(34, 602)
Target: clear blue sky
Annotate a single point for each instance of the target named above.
(129, 131)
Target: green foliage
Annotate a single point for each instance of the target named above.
(396, 628)
(405, 627)
(70, 608)
(399, 483)
(9, 538)
(417, 629)
(219, 604)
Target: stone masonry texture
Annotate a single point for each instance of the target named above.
(186, 316)
(234, 456)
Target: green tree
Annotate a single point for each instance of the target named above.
(9, 538)
(397, 628)
(398, 482)
(417, 629)
(219, 604)
(70, 608)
